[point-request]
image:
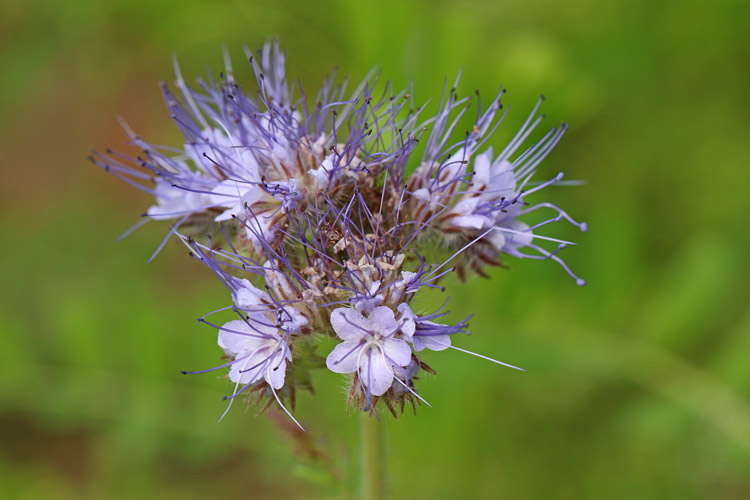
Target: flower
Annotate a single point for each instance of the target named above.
(369, 348)
(258, 351)
(425, 334)
(307, 213)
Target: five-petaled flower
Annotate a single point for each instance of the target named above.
(370, 347)
(259, 352)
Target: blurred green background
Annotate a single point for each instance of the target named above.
(637, 384)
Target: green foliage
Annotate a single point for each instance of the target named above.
(637, 385)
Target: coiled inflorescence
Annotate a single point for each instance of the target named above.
(308, 215)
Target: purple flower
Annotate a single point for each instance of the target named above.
(405, 377)
(477, 201)
(252, 300)
(259, 352)
(425, 334)
(370, 347)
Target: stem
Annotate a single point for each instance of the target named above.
(373, 458)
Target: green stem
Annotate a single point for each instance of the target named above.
(373, 458)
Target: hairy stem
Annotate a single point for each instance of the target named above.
(373, 458)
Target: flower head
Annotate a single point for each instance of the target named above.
(306, 212)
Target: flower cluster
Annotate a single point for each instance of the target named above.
(325, 218)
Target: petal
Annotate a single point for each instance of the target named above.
(432, 342)
(248, 297)
(397, 351)
(237, 337)
(263, 325)
(382, 320)
(348, 324)
(495, 238)
(344, 357)
(408, 325)
(465, 207)
(502, 182)
(471, 221)
(249, 164)
(455, 166)
(515, 240)
(320, 178)
(173, 201)
(250, 369)
(258, 199)
(374, 287)
(155, 212)
(482, 167)
(375, 372)
(365, 305)
(275, 371)
(422, 194)
(260, 225)
(227, 214)
(278, 280)
(292, 320)
(227, 193)
(405, 375)
(407, 277)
